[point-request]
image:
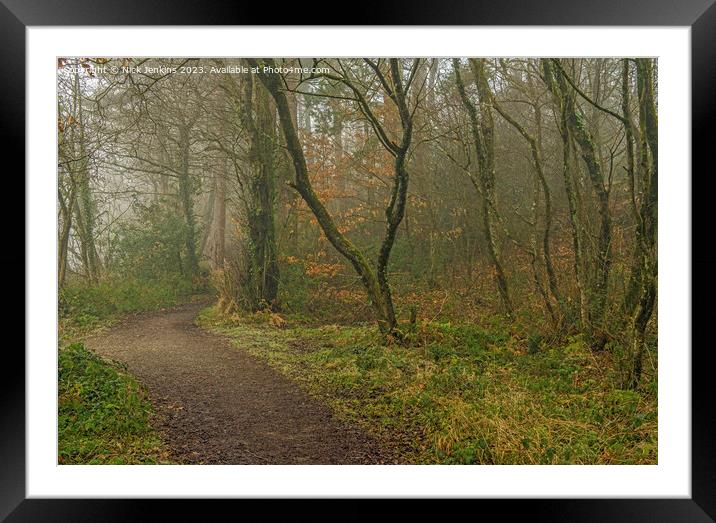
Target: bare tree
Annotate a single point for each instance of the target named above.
(373, 274)
(483, 133)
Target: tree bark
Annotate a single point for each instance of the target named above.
(220, 219)
(66, 218)
(482, 127)
(573, 203)
(258, 118)
(187, 202)
(598, 291)
(647, 227)
(85, 208)
(537, 164)
(373, 276)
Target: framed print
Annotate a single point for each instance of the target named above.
(422, 260)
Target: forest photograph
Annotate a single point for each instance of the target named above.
(377, 261)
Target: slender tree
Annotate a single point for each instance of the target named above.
(483, 133)
(552, 305)
(374, 275)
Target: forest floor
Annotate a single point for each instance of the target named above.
(266, 389)
(458, 392)
(215, 404)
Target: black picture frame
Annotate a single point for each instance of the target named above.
(699, 15)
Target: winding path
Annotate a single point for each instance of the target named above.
(216, 404)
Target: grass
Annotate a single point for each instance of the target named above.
(461, 394)
(83, 308)
(104, 414)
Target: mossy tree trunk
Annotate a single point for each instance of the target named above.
(647, 217)
(84, 206)
(552, 305)
(64, 236)
(66, 195)
(219, 238)
(483, 133)
(186, 198)
(257, 114)
(631, 132)
(373, 275)
(593, 291)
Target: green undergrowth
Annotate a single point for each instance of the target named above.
(460, 394)
(84, 308)
(103, 413)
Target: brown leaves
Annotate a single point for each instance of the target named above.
(87, 67)
(63, 124)
(277, 321)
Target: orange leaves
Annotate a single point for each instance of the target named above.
(348, 295)
(323, 269)
(352, 218)
(277, 321)
(317, 264)
(62, 125)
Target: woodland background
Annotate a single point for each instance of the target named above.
(428, 205)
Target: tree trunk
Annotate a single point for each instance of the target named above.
(66, 218)
(258, 118)
(85, 208)
(540, 184)
(564, 104)
(482, 127)
(373, 277)
(598, 290)
(220, 219)
(67, 203)
(208, 219)
(630, 132)
(647, 227)
(187, 202)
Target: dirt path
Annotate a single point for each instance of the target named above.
(216, 404)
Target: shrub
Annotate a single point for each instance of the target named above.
(150, 246)
(85, 304)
